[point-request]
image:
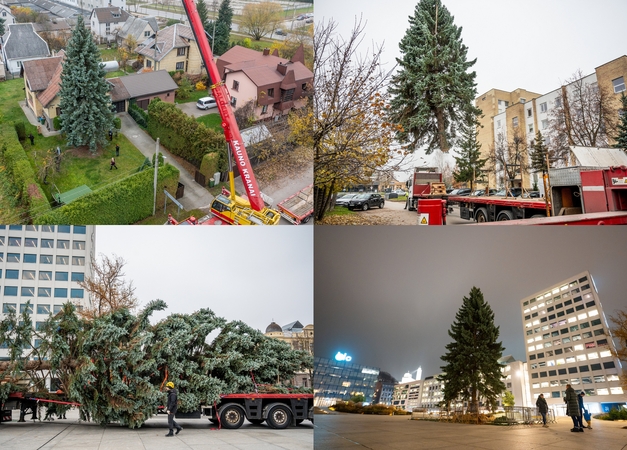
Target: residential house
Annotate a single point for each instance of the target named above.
(275, 84)
(106, 22)
(144, 87)
(20, 44)
(56, 32)
(89, 5)
(173, 48)
(5, 13)
(138, 29)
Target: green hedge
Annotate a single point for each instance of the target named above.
(211, 164)
(125, 202)
(138, 115)
(182, 135)
(29, 193)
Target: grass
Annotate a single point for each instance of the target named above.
(212, 120)
(194, 97)
(117, 73)
(340, 211)
(108, 54)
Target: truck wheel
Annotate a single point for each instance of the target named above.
(279, 417)
(232, 416)
(306, 219)
(365, 207)
(505, 215)
(256, 421)
(481, 215)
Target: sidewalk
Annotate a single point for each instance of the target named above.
(33, 120)
(195, 196)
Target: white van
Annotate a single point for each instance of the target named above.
(206, 103)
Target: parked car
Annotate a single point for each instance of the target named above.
(366, 201)
(281, 32)
(400, 192)
(301, 17)
(206, 103)
(533, 194)
(464, 191)
(513, 192)
(309, 20)
(345, 198)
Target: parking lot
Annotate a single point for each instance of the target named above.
(355, 431)
(197, 434)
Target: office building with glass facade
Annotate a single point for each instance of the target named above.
(568, 341)
(43, 265)
(336, 381)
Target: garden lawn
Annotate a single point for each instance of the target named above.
(211, 121)
(194, 97)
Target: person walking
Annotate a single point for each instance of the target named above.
(572, 408)
(110, 135)
(113, 164)
(32, 139)
(583, 412)
(543, 409)
(171, 408)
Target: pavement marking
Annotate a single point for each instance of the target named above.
(65, 430)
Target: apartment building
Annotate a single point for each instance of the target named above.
(43, 264)
(568, 341)
(521, 113)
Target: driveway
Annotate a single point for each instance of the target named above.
(191, 110)
(195, 196)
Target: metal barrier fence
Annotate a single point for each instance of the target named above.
(527, 415)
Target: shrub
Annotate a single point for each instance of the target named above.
(56, 122)
(139, 115)
(615, 414)
(185, 89)
(125, 202)
(117, 123)
(211, 163)
(200, 86)
(20, 129)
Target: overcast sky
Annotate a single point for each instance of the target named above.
(535, 45)
(253, 274)
(388, 295)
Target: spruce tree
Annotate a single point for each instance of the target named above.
(2, 29)
(201, 6)
(469, 163)
(86, 114)
(223, 28)
(433, 91)
(539, 153)
(621, 138)
(472, 371)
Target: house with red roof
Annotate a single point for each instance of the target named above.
(274, 84)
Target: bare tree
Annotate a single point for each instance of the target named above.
(107, 288)
(260, 19)
(446, 167)
(346, 125)
(583, 116)
(510, 157)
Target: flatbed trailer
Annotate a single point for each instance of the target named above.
(600, 218)
(298, 208)
(497, 209)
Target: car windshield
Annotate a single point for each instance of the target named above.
(361, 196)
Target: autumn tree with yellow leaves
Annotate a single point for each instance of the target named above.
(345, 123)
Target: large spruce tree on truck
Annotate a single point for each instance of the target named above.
(434, 90)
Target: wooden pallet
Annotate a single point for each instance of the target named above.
(438, 189)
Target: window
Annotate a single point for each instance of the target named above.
(15, 241)
(271, 92)
(44, 275)
(45, 259)
(47, 228)
(11, 274)
(76, 293)
(287, 95)
(529, 112)
(181, 51)
(148, 63)
(63, 244)
(28, 274)
(78, 276)
(57, 309)
(63, 260)
(558, 102)
(60, 276)
(619, 85)
(78, 245)
(24, 307)
(180, 65)
(47, 243)
(9, 307)
(78, 260)
(233, 102)
(235, 85)
(30, 242)
(498, 124)
(10, 291)
(43, 309)
(146, 33)
(264, 109)
(530, 128)
(64, 229)
(60, 292)
(545, 124)
(543, 107)
(80, 229)
(43, 292)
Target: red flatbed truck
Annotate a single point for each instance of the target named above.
(298, 208)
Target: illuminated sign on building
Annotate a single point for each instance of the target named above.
(370, 371)
(343, 357)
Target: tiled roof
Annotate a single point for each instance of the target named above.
(106, 15)
(148, 83)
(21, 42)
(39, 72)
(55, 24)
(118, 90)
(134, 26)
(54, 86)
(175, 36)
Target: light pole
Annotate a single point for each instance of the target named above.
(154, 203)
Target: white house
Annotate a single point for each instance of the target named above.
(21, 43)
(138, 28)
(107, 22)
(5, 13)
(88, 5)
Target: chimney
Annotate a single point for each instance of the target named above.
(282, 68)
(266, 51)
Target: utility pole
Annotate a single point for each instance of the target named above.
(154, 203)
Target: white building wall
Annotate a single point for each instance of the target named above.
(35, 261)
(88, 5)
(568, 341)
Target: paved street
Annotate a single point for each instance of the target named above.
(352, 431)
(197, 434)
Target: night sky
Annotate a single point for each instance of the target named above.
(388, 295)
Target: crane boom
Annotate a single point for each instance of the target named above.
(229, 124)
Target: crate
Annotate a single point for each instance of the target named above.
(438, 189)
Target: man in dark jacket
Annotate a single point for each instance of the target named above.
(171, 408)
(543, 408)
(572, 408)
